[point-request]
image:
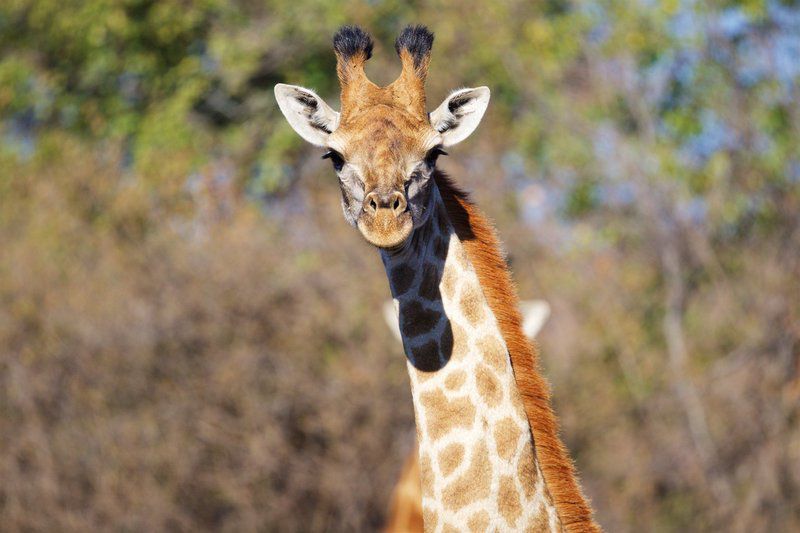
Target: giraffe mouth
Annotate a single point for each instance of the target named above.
(385, 230)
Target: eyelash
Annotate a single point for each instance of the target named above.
(338, 161)
(336, 158)
(432, 155)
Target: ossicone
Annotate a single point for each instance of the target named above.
(352, 41)
(413, 45)
(353, 47)
(417, 41)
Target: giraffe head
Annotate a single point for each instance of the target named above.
(383, 144)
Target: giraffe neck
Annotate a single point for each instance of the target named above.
(477, 458)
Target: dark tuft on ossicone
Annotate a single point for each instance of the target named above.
(417, 40)
(351, 40)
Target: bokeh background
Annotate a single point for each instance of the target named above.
(190, 334)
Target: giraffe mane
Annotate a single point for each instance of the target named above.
(480, 241)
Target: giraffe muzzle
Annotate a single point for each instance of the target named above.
(385, 222)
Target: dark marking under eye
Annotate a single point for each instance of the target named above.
(348, 199)
(416, 175)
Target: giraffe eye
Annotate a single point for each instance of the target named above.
(432, 155)
(336, 158)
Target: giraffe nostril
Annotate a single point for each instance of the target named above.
(392, 202)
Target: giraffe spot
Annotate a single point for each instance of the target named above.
(425, 475)
(494, 353)
(461, 258)
(540, 521)
(506, 437)
(479, 522)
(429, 286)
(471, 305)
(459, 340)
(450, 458)
(446, 342)
(472, 485)
(443, 414)
(488, 385)
(402, 278)
(440, 248)
(508, 501)
(416, 320)
(455, 380)
(449, 281)
(526, 470)
(430, 519)
(426, 358)
(447, 528)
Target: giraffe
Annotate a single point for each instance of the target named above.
(489, 453)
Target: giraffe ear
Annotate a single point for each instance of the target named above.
(307, 113)
(459, 114)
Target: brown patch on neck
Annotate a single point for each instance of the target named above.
(479, 522)
(444, 414)
(472, 485)
(482, 247)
